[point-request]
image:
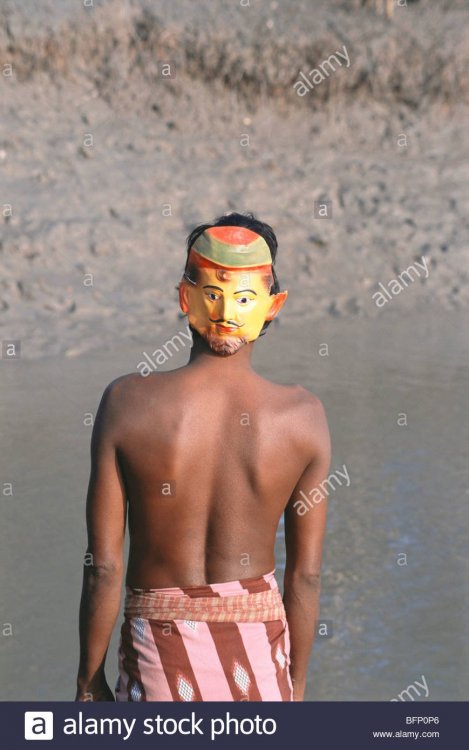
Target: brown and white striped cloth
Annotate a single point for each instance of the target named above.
(218, 642)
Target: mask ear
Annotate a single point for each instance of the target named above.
(184, 296)
(278, 301)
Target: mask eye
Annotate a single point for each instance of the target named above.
(213, 296)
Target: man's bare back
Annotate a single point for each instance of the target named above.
(203, 461)
(208, 465)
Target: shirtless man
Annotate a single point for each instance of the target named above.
(206, 458)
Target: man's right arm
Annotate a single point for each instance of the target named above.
(305, 523)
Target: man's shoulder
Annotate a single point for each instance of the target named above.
(312, 403)
(311, 408)
(124, 390)
(133, 382)
(315, 423)
(308, 417)
(304, 410)
(304, 422)
(297, 395)
(122, 385)
(133, 391)
(125, 401)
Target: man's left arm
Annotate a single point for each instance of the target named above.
(103, 570)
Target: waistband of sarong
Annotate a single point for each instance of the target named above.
(246, 600)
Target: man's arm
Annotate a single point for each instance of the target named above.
(305, 523)
(104, 566)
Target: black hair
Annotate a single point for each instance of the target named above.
(249, 221)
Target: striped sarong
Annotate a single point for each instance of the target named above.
(218, 642)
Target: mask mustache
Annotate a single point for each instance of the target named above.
(225, 322)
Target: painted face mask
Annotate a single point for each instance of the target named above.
(225, 291)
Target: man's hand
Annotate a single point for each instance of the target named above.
(99, 692)
(299, 690)
(103, 567)
(304, 537)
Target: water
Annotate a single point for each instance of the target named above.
(407, 501)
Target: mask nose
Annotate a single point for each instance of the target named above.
(229, 310)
